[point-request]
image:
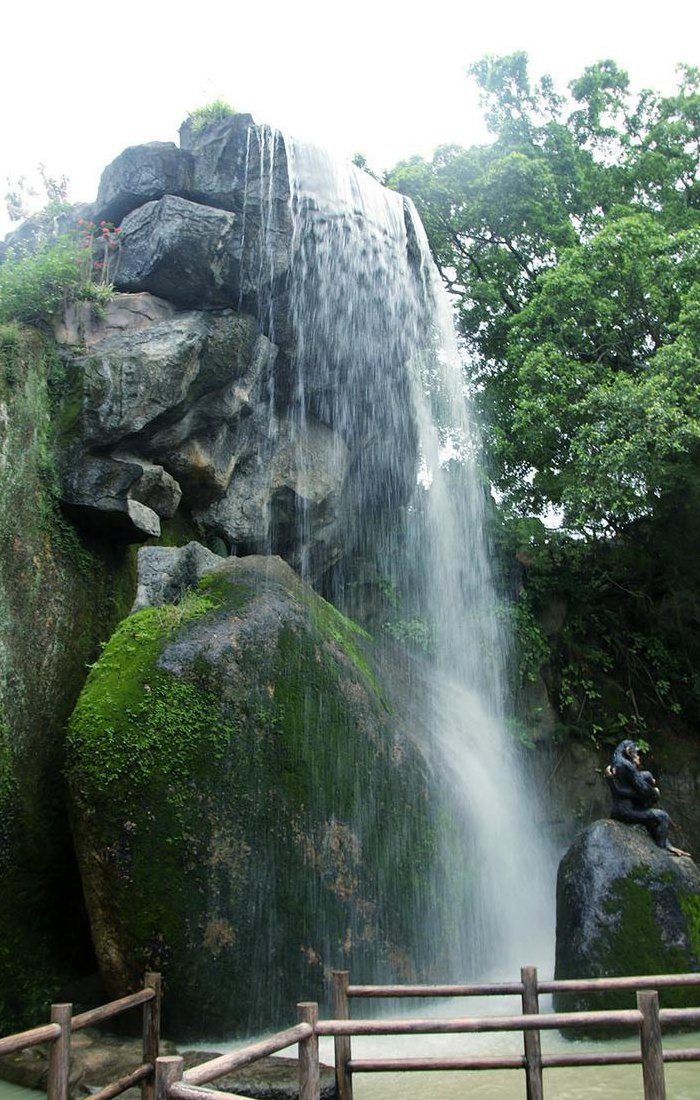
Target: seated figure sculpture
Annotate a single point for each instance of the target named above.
(635, 795)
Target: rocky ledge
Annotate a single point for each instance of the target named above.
(98, 1060)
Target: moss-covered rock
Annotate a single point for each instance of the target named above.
(58, 596)
(625, 907)
(245, 814)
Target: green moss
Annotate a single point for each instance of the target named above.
(178, 531)
(60, 593)
(345, 634)
(133, 719)
(246, 817)
(690, 905)
(228, 592)
(631, 942)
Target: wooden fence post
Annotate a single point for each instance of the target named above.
(341, 1011)
(168, 1070)
(531, 1039)
(59, 1054)
(151, 1032)
(309, 1069)
(652, 1049)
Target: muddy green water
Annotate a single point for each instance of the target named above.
(610, 1082)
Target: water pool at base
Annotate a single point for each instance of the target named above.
(582, 1083)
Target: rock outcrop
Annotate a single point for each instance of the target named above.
(238, 798)
(625, 906)
(202, 367)
(99, 1060)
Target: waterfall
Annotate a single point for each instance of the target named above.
(375, 360)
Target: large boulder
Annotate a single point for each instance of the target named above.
(181, 251)
(141, 174)
(247, 813)
(170, 406)
(259, 367)
(625, 907)
(80, 326)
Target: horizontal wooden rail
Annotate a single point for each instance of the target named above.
(58, 1035)
(105, 1012)
(32, 1038)
(594, 985)
(225, 1063)
(515, 1061)
(124, 1083)
(679, 1015)
(474, 990)
(470, 1024)
(688, 1054)
(495, 989)
(612, 1058)
(395, 1065)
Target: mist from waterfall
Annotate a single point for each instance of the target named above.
(376, 358)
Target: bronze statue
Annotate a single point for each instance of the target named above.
(635, 795)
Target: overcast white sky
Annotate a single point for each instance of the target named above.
(81, 81)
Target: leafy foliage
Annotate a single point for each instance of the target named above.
(34, 286)
(38, 280)
(216, 111)
(571, 247)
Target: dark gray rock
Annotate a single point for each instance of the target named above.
(182, 251)
(116, 495)
(228, 157)
(268, 1079)
(141, 174)
(276, 482)
(152, 378)
(99, 1060)
(166, 572)
(242, 167)
(625, 906)
(180, 406)
(233, 766)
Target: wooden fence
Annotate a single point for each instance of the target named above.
(58, 1034)
(173, 1082)
(166, 1079)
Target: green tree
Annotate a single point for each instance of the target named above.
(571, 247)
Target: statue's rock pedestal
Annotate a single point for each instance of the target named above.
(625, 906)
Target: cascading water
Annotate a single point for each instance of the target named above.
(375, 360)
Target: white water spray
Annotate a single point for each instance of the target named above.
(376, 360)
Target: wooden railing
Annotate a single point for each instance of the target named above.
(166, 1079)
(63, 1024)
(175, 1083)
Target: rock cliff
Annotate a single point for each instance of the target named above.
(625, 906)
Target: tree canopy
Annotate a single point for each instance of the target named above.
(571, 245)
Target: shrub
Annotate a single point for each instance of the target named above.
(35, 286)
(216, 111)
